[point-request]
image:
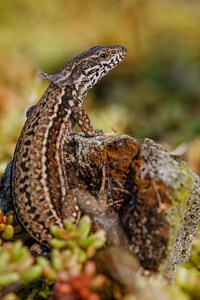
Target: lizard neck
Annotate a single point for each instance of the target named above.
(79, 90)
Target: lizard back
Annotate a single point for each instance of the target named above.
(39, 185)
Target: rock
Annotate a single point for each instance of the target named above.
(155, 196)
(6, 203)
(152, 197)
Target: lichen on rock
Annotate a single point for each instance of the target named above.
(159, 191)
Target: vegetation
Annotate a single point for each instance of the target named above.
(155, 90)
(71, 271)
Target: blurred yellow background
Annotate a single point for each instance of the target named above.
(154, 93)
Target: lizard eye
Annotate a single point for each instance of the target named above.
(103, 55)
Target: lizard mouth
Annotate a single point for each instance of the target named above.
(121, 51)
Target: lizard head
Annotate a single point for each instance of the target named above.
(86, 69)
(98, 61)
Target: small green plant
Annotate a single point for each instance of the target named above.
(70, 269)
(7, 227)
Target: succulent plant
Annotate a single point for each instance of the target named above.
(72, 271)
(9, 228)
(70, 263)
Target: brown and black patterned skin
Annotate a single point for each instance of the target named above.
(39, 182)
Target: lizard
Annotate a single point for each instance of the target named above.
(39, 187)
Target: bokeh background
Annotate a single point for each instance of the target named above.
(154, 92)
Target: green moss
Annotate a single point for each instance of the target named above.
(178, 196)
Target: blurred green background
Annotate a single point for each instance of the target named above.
(154, 92)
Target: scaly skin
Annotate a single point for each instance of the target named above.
(39, 182)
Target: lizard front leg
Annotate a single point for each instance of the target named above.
(84, 122)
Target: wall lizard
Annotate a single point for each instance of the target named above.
(38, 175)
